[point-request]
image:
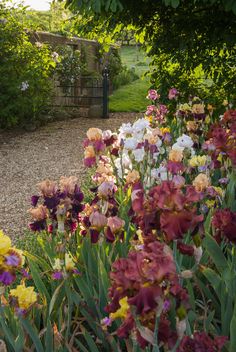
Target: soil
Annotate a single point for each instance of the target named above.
(52, 151)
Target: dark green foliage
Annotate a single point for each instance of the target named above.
(190, 42)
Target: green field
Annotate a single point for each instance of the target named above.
(132, 56)
(132, 97)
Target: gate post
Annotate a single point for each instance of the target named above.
(105, 87)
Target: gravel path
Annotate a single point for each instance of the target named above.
(52, 151)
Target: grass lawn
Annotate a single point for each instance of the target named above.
(132, 97)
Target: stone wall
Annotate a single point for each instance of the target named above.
(90, 46)
(83, 100)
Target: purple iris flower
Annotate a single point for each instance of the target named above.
(51, 202)
(34, 200)
(76, 272)
(224, 181)
(20, 312)
(6, 278)
(12, 260)
(167, 137)
(153, 148)
(166, 305)
(77, 208)
(106, 321)
(57, 275)
(37, 225)
(25, 274)
(202, 168)
(199, 116)
(78, 195)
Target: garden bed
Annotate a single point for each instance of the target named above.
(144, 261)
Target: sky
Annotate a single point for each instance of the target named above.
(38, 4)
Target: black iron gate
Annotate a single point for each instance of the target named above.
(85, 92)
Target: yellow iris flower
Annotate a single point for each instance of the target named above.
(198, 161)
(123, 310)
(5, 243)
(26, 296)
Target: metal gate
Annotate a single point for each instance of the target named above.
(85, 92)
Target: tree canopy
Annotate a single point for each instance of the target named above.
(183, 37)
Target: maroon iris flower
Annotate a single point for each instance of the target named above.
(89, 162)
(224, 221)
(201, 342)
(185, 248)
(168, 208)
(175, 167)
(223, 138)
(145, 299)
(147, 278)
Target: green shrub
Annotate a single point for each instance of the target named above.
(25, 70)
(141, 63)
(69, 67)
(119, 74)
(126, 76)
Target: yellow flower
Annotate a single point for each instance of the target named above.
(47, 188)
(2, 260)
(192, 126)
(69, 262)
(57, 264)
(140, 237)
(89, 152)
(198, 161)
(132, 177)
(123, 310)
(67, 184)
(201, 182)
(225, 102)
(26, 296)
(5, 243)
(152, 138)
(196, 98)
(198, 109)
(176, 155)
(149, 118)
(39, 213)
(208, 119)
(219, 191)
(146, 284)
(164, 130)
(185, 107)
(210, 107)
(210, 203)
(94, 134)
